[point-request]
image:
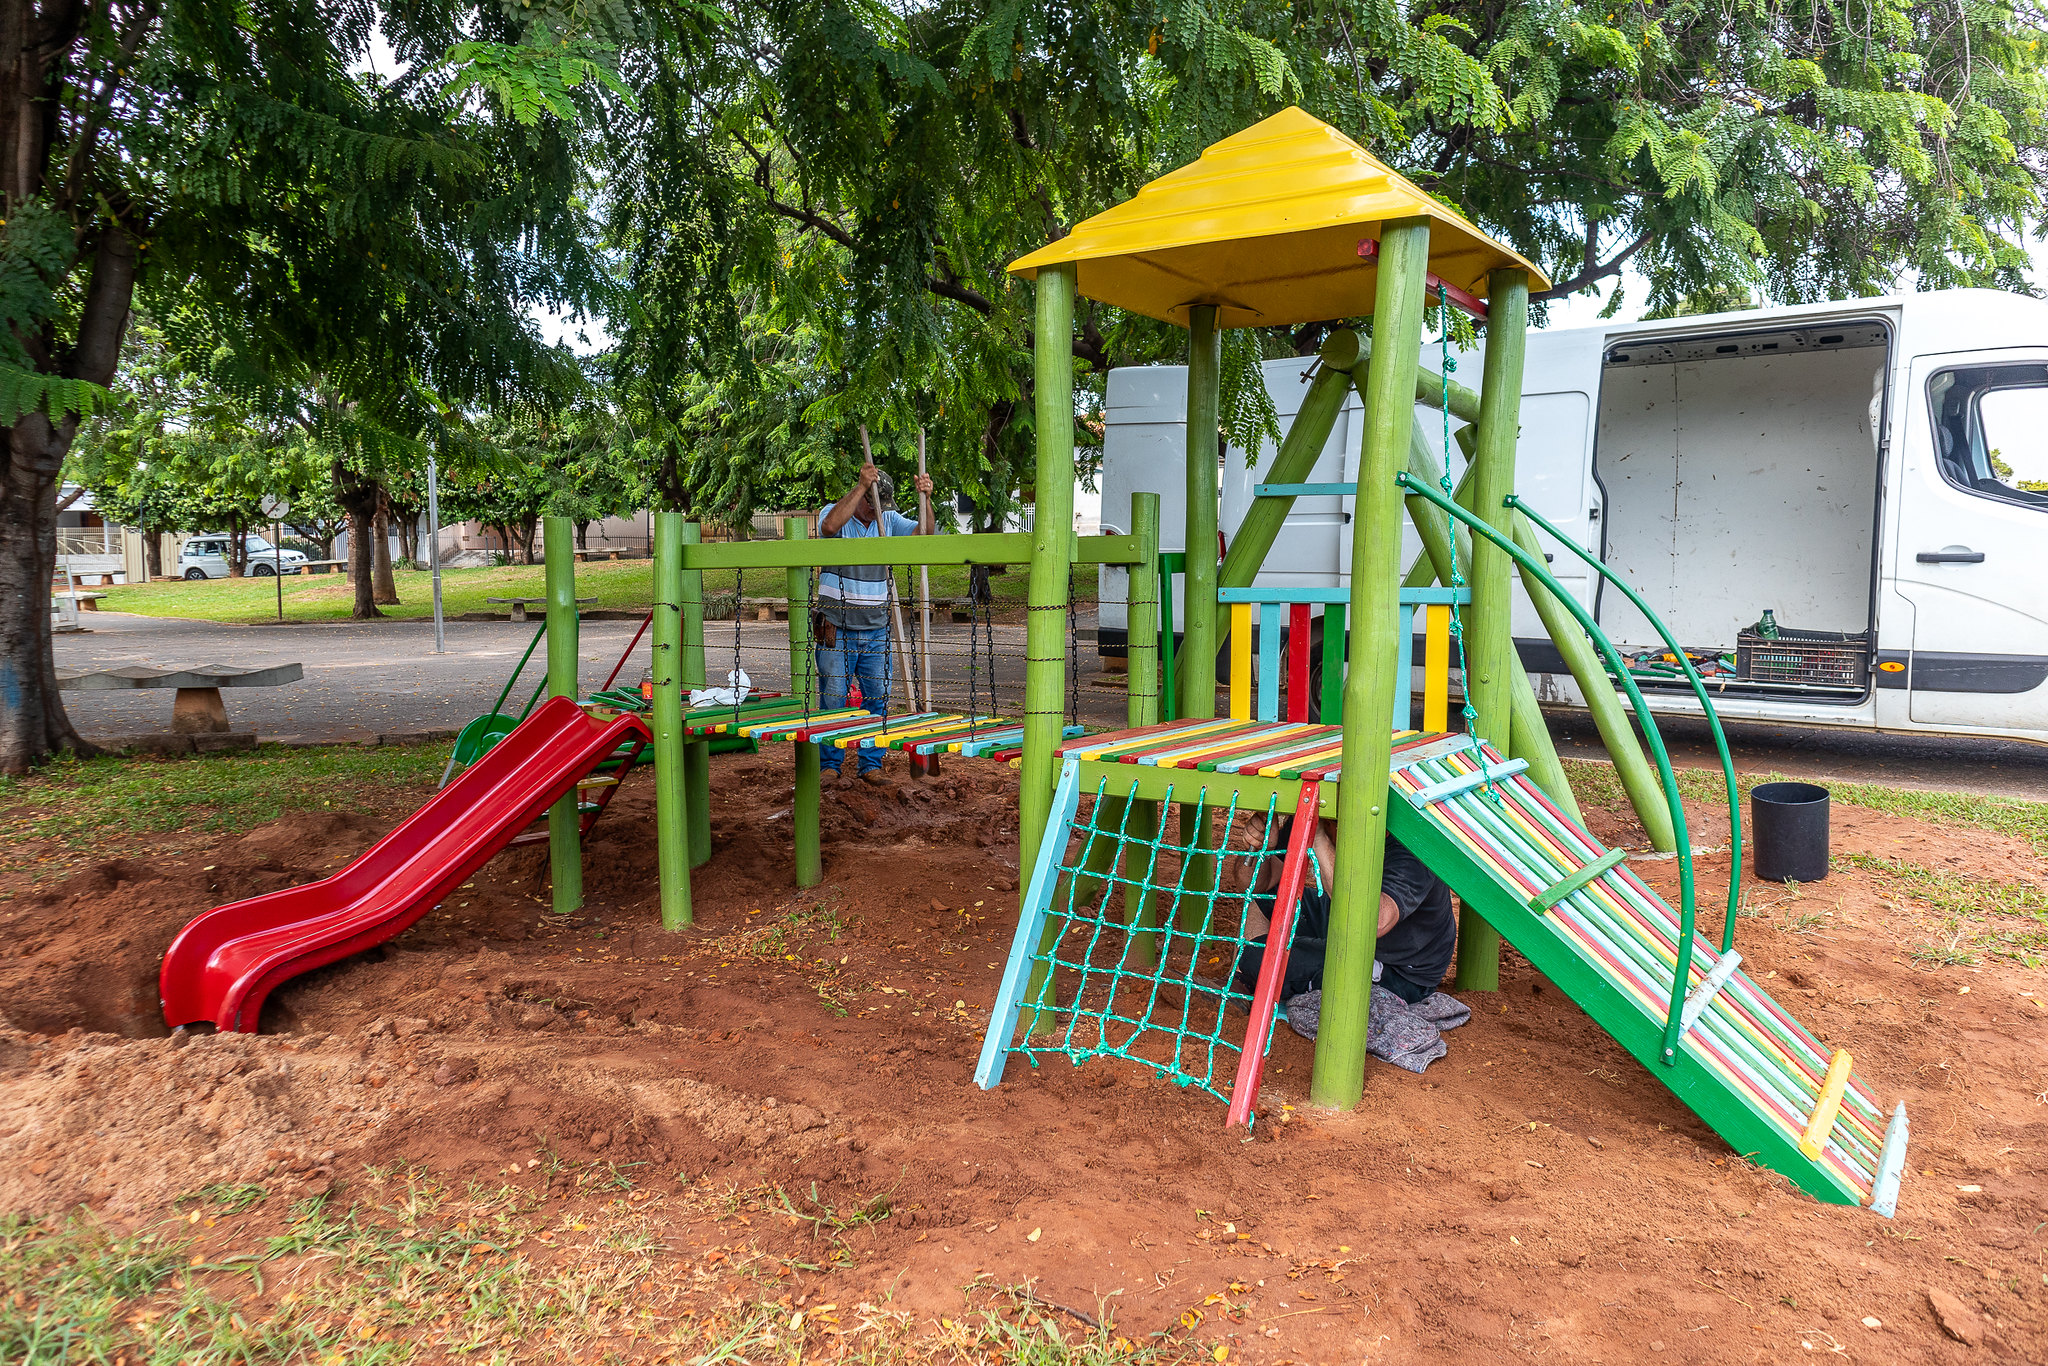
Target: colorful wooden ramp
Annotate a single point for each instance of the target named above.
(925, 732)
(1581, 916)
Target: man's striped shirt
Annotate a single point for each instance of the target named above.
(855, 597)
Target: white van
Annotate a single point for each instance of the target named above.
(1874, 473)
(205, 556)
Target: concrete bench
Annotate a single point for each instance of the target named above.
(766, 609)
(519, 605)
(197, 709)
(324, 567)
(610, 554)
(87, 602)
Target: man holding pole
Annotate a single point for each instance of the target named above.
(854, 605)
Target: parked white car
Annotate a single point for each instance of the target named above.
(206, 557)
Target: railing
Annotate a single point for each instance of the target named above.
(1336, 603)
(80, 543)
(1532, 567)
(1436, 651)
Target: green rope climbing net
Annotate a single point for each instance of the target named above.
(1128, 984)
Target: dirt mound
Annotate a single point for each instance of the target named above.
(1536, 1191)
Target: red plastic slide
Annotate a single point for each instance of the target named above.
(223, 964)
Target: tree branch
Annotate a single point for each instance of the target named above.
(1593, 274)
(108, 299)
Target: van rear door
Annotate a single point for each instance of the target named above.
(1971, 552)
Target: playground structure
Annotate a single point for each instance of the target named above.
(1289, 222)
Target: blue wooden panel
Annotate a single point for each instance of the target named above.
(1340, 596)
(1304, 490)
(1269, 662)
(1404, 667)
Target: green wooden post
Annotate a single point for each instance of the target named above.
(565, 820)
(1052, 552)
(1490, 643)
(1141, 615)
(1339, 1075)
(1198, 585)
(1205, 396)
(671, 819)
(810, 864)
(696, 753)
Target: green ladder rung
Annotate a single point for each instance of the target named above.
(1558, 891)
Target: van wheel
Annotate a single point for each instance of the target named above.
(195, 572)
(262, 571)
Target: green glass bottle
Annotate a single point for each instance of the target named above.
(1767, 626)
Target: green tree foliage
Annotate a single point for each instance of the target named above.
(855, 178)
(293, 224)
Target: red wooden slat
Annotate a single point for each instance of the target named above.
(1297, 661)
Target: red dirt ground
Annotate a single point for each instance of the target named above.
(1535, 1194)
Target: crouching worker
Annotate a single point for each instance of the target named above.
(1418, 937)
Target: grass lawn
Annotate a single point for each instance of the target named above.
(74, 810)
(623, 585)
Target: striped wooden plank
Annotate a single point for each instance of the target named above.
(1251, 758)
(909, 728)
(1117, 747)
(1260, 735)
(789, 727)
(1178, 748)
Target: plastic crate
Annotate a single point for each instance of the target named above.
(1814, 658)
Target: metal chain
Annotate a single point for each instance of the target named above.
(739, 596)
(1073, 654)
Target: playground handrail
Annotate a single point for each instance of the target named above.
(1530, 565)
(1699, 689)
(981, 547)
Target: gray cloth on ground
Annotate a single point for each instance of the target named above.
(1408, 1036)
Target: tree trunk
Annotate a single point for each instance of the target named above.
(387, 587)
(358, 498)
(33, 722)
(152, 553)
(238, 550)
(526, 529)
(583, 536)
(409, 540)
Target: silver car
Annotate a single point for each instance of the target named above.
(206, 557)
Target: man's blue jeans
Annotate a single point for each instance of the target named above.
(863, 655)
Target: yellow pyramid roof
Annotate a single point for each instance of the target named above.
(1266, 225)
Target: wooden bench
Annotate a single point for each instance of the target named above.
(324, 567)
(610, 554)
(197, 709)
(519, 605)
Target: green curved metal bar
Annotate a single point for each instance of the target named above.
(1699, 690)
(519, 669)
(1529, 564)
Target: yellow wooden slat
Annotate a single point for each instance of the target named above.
(1823, 1121)
(1240, 661)
(1436, 667)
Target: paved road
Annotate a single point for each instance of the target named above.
(379, 678)
(366, 679)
